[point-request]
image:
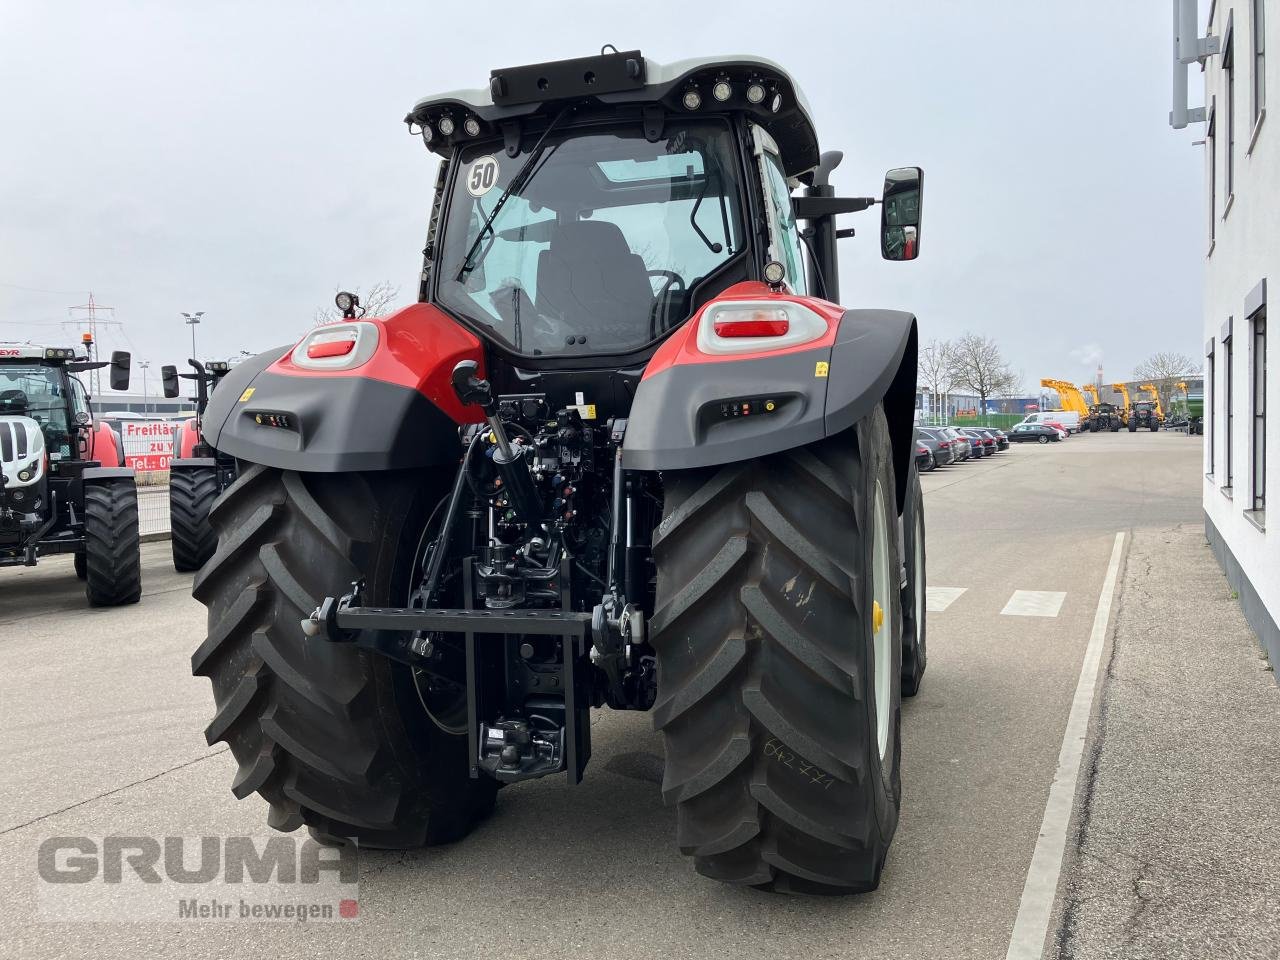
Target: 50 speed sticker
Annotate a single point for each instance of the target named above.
(482, 176)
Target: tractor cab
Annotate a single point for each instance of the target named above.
(53, 457)
(587, 208)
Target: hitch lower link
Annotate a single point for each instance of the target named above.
(508, 749)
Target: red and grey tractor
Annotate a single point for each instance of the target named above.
(627, 450)
(64, 486)
(197, 473)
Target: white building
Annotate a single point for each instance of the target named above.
(1239, 47)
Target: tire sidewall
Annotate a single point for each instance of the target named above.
(874, 445)
(913, 620)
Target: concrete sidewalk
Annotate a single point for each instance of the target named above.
(1176, 852)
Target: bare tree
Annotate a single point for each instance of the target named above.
(1166, 366)
(1164, 370)
(978, 364)
(378, 300)
(933, 369)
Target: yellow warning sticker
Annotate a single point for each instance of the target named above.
(821, 369)
(587, 411)
(248, 392)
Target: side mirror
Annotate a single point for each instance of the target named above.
(169, 379)
(119, 370)
(900, 213)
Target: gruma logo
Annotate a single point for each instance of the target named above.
(183, 879)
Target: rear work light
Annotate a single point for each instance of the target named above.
(757, 326)
(337, 346)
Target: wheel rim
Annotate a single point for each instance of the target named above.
(919, 571)
(881, 617)
(445, 705)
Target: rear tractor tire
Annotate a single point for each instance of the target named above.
(192, 491)
(778, 632)
(112, 562)
(330, 736)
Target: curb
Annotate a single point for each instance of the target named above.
(153, 537)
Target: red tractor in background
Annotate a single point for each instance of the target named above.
(197, 475)
(626, 450)
(64, 486)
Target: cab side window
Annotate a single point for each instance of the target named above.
(784, 233)
(79, 398)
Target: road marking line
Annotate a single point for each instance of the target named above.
(1031, 926)
(937, 599)
(1034, 603)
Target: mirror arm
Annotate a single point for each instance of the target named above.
(814, 208)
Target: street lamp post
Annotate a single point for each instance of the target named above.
(144, 365)
(191, 321)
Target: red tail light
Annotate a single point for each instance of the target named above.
(752, 323)
(944, 444)
(330, 348)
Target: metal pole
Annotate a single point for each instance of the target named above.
(192, 320)
(143, 365)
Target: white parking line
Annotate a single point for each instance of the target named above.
(1034, 603)
(1038, 892)
(938, 599)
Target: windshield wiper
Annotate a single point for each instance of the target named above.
(518, 183)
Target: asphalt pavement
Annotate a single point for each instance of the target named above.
(103, 734)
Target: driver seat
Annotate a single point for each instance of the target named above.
(589, 278)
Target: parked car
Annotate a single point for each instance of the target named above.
(1060, 427)
(939, 447)
(1066, 419)
(985, 440)
(1034, 433)
(924, 459)
(959, 440)
(1002, 439)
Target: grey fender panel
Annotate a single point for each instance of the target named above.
(874, 360)
(107, 473)
(334, 425)
(675, 421)
(232, 386)
(865, 359)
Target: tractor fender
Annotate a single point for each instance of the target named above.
(105, 445)
(185, 438)
(874, 359)
(90, 474)
(695, 411)
(393, 410)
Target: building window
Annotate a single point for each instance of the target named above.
(1228, 403)
(1210, 408)
(1259, 62)
(1259, 425)
(1211, 143)
(1229, 160)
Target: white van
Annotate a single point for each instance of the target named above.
(1068, 418)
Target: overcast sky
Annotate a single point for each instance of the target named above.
(246, 159)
